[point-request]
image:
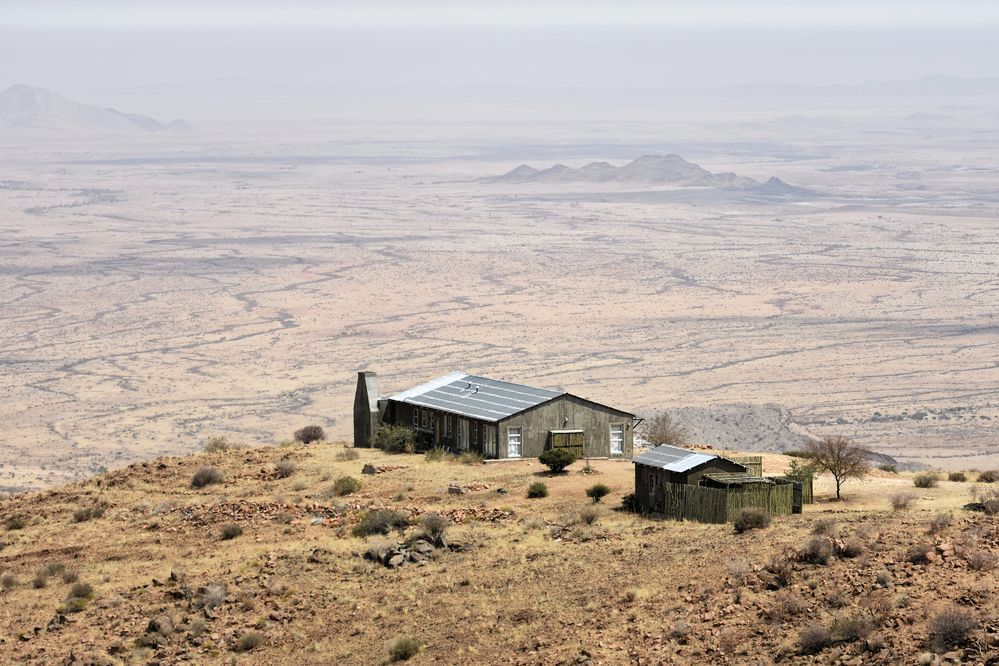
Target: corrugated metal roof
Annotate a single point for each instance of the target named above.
(475, 397)
(673, 458)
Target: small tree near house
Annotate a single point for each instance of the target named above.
(662, 429)
(840, 457)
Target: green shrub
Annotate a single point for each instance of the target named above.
(557, 460)
(471, 458)
(248, 642)
(958, 477)
(231, 531)
(284, 468)
(437, 454)
(891, 469)
(345, 485)
(537, 490)
(988, 476)
(310, 433)
(95, 510)
(82, 591)
(597, 492)
(950, 628)
(403, 649)
(396, 438)
(15, 523)
(207, 476)
(380, 521)
(751, 518)
(926, 480)
(628, 503)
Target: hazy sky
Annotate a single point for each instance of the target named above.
(377, 48)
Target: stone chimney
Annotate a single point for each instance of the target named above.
(366, 416)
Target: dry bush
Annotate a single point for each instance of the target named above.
(840, 457)
(231, 531)
(990, 501)
(249, 641)
(284, 468)
(437, 454)
(981, 560)
(850, 547)
(206, 476)
(837, 598)
(817, 550)
(15, 523)
(660, 429)
(925, 480)
(851, 628)
(939, 523)
(211, 596)
(750, 518)
(217, 444)
(588, 515)
(679, 631)
(537, 490)
(958, 477)
(434, 527)
(345, 485)
(919, 553)
(471, 458)
(380, 521)
(403, 649)
(348, 454)
(814, 638)
(883, 578)
(825, 527)
(785, 604)
(309, 434)
(950, 628)
(781, 568)
(738, 572)
(40, 580)
(8, 581)
(988, 476)
(95, 510)
(901, 501)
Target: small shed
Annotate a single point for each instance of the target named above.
(671, 464)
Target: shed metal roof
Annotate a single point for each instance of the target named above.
(475, 397)
(673, 458)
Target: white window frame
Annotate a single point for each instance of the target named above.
(511, 432)
(610, 446)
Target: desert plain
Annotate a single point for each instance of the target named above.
(156, 292)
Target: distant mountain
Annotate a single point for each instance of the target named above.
(27, 107)
(928, 86)
(649, 170)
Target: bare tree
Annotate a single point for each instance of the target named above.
(661, 429)
(840, 457)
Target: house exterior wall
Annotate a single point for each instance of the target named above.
(567, 412)
(647, 492)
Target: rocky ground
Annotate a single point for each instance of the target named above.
(137, 566)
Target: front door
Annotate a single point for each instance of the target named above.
(463, 434)
(514, 441)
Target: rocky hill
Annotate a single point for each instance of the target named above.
(28, 108)
(648, 169)
(276, 555)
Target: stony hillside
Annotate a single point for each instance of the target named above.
(261, 565)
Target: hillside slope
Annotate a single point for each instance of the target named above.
(522, 581)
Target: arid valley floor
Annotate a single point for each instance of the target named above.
(154, 294)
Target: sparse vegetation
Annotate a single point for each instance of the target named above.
(751, 518)
(8, 581)
(817, 550)
(661, 429)
(395, 438)
(851, 628)
(588, 515)
(284, 468)
(919, 553)
(981, 560)
(939, 523)
(825, 527)
(925, 480)
(434, 527)
(814, 639)
(403, 649)
(15, 523)
(343, 486)
(436, 454)
(891, 469)
(95, 510)
(471, 458)
(207, 476)
(628, 503)
(901, 501)
(380, 521)
(785, 604)
(537, 490)
(951, 627)
(597, 492)
(231, 531)
(840, 457)
(851, 547)
(310, 434)
(957, 477)
(556, 460)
